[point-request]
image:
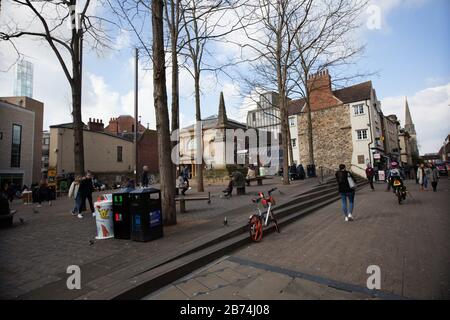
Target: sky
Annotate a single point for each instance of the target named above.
(408, 52)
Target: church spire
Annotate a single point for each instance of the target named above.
(409, 125)
(222, 117)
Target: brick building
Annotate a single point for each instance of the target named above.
(347, 125)
(148, 155)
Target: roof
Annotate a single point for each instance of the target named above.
(14, 106)
(85, 128)
(211, 123)
(295, 106)
(358, 92)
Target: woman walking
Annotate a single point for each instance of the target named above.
(74, 194)
(434, 178)
(421, 176)
(347, 186)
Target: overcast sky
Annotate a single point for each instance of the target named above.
(410, 52)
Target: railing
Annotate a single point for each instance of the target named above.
(324, 173)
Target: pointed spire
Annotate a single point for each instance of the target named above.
(222, 117)
(409, 125)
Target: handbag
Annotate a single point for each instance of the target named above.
(351, 183)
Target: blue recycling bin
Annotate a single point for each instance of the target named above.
(146, 214)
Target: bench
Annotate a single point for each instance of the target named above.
(258, 179)
(183, 199)
(6, 220)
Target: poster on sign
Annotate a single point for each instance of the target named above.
(381, 175)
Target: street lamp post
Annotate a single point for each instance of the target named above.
(136, 128)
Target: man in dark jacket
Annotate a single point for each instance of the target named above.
(346, 191)
(370, 173)
(86, 189)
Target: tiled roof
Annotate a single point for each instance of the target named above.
(295, 106)
(359, 92)
(85, 128)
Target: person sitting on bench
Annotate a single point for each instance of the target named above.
(251, 174)
(229, 190)
(183, 184)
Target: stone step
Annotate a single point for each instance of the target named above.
(148, 281)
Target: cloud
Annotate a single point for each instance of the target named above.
(386, 7)
(430, 111)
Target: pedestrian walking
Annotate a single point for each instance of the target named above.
(421, 177)
(85, 190)
(90, 189)
(76, 196)
(434, 178)
(347, 186)
(428, 174)
(370, 173)
(43, 193)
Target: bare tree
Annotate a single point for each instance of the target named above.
(162, 114)
(54, 16)
(325, 43)
(202, 25)
(275, 27)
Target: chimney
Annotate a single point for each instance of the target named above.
(96, 125)
(320, 93)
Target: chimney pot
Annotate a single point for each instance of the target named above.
(89, 119)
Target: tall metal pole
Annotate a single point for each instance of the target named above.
(136, 128)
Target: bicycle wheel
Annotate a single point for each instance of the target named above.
(277, 227)
(255, 228)
(399, 196)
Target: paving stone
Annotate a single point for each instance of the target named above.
(267, 286)
(171, 293)
(192, 288)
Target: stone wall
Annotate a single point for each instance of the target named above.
(332, 137)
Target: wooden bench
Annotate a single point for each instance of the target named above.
(6, 220)
(258, 179)
(183, 199)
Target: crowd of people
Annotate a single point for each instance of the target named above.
(425, 174)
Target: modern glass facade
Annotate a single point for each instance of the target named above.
(23, 85)
(267, 115)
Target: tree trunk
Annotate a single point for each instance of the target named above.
(198, 118)
(76, 107)
(175, 96)
(162, 116)
(310, 136)
(284, 136)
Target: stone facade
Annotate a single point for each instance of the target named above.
(332, 133)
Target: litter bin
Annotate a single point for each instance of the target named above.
(146, 214)
(122, 218)
(104, 217)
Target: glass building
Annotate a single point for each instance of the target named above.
(23, 85)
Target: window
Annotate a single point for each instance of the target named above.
(361, 134)
(294, 143)
(361, 159)
(16, 145)
(359, 109)
(119, 154)
(254, 117)
(292, 121)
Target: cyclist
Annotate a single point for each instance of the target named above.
(393, 175)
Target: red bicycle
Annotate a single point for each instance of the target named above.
(259, 220)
